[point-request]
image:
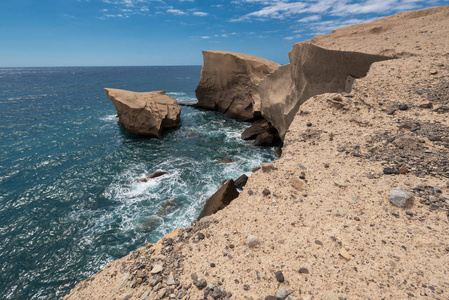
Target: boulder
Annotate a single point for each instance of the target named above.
(312, 71)
(241, 181)
(145, 113)
(229, 83)
(225, 194)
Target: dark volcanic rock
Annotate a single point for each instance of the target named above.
(241, 181)
(225, 194)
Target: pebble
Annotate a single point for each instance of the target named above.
(403, 107)
(171, 280)
(279, 276)
(345, 254)
(303, 271)
(252, 241)
(246, 287)
(181, 293)
(162, 293)
(201, 284)
(270, 298)
(400, 196)
(266, 192)
(157, 269)
(340, 183)
(144, 295)
(201, 236)
(127, 296)
(281, 294)
(297, 183)
(391, 171)
(212, 265)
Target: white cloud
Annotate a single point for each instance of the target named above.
(205, 37)
(176, 12)
(200, 13)
(310, 19)
(282, 9)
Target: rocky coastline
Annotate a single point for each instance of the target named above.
(357, 205)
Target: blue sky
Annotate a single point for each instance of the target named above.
(171, 32)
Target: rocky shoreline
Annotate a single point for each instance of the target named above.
(321, 222)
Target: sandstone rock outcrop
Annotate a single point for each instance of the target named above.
(312, 70)
(229, 83)
(225, 194)
(145, 113)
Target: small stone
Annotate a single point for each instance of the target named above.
(400, 196)
(201, 236)
(140, 274)
(252, 241)
(403, 107)
(181, 293)
(194, 277)
(127, 295)
(345, 254)
(139, 280)
(319, 243)
(246, 287)
(266, 192)
(303, 271)
(157, 287)
(342, 297)
(297, 183)
(201, 284)
(434, 138)
(281, 294)
(216, 293)
(157, 269)
(426, 105)
(326, 166)
(171, 280)
(212, 265)
(391, 171)
(250, 192)
(270, 298)
(433, 72)
(404, 170)
(340, 183)
(144, 295)
(162, 293)
(279, 276)
(391, 111)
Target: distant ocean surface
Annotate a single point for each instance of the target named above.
(69, 199)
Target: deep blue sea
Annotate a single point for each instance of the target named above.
(69, 199)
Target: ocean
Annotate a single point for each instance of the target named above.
(70, 201)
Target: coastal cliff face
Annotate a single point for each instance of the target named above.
(145, 113)
(321, 222)
(312, 71)
(229, 83)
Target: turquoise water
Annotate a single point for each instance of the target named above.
(69, 199)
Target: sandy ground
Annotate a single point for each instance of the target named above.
(327, 224)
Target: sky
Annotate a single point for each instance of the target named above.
(171, 32)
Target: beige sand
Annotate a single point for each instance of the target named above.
(338, 223)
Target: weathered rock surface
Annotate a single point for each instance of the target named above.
(262, 132)
(145, 113)
(225, 194)
(229, 83)
(312, 70)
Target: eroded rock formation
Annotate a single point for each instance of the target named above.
(229, 83)
(145, 113)
(312, 71)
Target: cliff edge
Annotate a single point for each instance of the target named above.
(356, 207)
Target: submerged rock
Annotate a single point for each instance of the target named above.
(145, 113)
(312, 70)
(229, 83)
(225, 194)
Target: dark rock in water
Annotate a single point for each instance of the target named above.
(263, 133)
(257, 128)
(225, 160)
(241, 181)
(157, 174)
(166, 206)
(151, 176)
(225, 194)
(279, 276)
(264, 139)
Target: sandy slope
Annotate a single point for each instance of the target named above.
(340, 147)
